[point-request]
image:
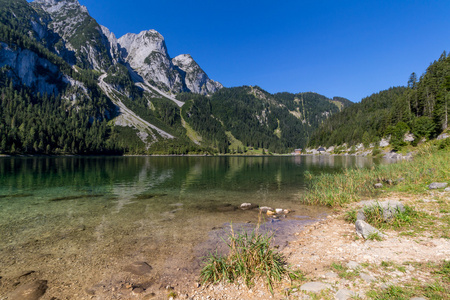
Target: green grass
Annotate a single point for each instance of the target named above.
(344, 272)
(251, 257)
(437, 287)
(352, 185)
(400, 219)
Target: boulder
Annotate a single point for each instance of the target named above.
(447, 189)
(365, 230)
(390, 208)
(437, 185)
(378, 185)
(30, 291)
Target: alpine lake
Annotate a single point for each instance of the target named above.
(91, 226)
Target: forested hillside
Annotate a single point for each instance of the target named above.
(69, 86)
(421, 109)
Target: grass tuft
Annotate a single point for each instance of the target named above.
(251, 257)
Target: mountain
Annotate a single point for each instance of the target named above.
(105, 94)
(421, 109)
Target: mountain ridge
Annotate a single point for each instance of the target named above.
(129, 91)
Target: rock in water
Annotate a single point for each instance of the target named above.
(139, 268)
(437, 185)
(30, 291)
(246, 206)
(365, 230)
(265, 208)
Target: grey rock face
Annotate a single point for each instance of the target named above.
(79, 30)
(365, 230)
(437, 185)
(147, 54)
(194, 77)
(447, 189)
(28, 66)
(314, 287)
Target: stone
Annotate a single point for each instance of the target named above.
(367, 278)
(390, 208)
(437, 185)
(246, 206)
(353, 265)
(417, 298)
(314, 287)
(331, 275)
(138, 268)
(447, 189)
(384, 143)
(265, 208)
(365, 230)
(443, 136)
(30, 291)
(344, 294)
(378, 185)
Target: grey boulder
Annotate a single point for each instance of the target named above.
(366, 230)
(437, 185)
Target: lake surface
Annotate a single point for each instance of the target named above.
(79, 222)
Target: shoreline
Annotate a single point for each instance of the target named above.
(331, 256)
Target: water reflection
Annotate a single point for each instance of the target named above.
(58, 214)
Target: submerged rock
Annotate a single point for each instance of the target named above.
(246, 206)
(138, 268)
(30, 291)
(264, 209)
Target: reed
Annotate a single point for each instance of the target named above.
(431, 164)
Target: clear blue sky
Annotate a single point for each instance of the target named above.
(348, 48)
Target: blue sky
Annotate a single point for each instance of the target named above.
(333, 47)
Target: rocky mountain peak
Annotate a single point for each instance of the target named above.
(54, 6)
(140, 46)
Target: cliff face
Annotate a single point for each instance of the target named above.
(95, 47)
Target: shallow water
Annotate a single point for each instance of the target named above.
(80, 221)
